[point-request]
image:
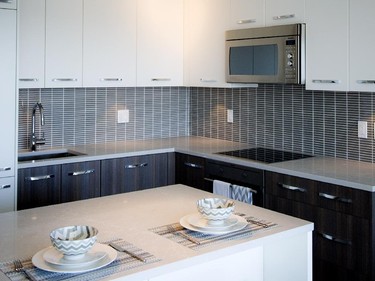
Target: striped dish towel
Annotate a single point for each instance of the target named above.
(241, 193)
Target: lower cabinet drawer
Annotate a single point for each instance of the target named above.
(342, 240)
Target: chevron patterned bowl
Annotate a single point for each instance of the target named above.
(215, 210)
(73, 241)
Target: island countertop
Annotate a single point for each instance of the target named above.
(130, 216)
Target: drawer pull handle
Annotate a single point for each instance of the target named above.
(6, 1)
(246, 21)
(284, 17)
(205, 80)
(333, 197)
(5, 169)
(133, 166)
(80, 173)
(366, 81)
(110, 79)
(38, 178)
(28, 79)
(334, 239)
(192, 165)
(320, 81)
(64, 80)
(160, 79)
(292, 188)
(5, 186)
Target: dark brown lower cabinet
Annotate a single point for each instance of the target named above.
(37, 187)
(134, 173)
(190, 170)
(344, 232)
(80, 181)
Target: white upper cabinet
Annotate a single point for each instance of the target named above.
(109, 43)
(246, 14)
(279, 12)
(327, 41)
(8, 4)
(206, 22)
(362, 42)
(8, 91)
(160, 43)
(63, 43)
(31, 41)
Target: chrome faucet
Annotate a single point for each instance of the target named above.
(34, 140)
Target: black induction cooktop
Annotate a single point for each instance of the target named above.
(265, 155)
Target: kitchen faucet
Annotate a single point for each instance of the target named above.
(34, 140)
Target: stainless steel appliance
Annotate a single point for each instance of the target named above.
(274, 54)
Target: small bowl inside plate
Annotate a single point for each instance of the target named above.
(74, 241)
(215, 210)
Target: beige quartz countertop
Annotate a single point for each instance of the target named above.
(354, 174)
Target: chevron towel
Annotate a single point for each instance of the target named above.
(222, 188)
(241, 193)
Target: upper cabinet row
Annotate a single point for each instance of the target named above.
(100, 43)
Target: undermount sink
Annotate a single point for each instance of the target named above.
(47, 154)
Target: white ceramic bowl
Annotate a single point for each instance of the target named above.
(74, 241)
(215, 210)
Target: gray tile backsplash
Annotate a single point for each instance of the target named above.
(278, 116)
(89, 115)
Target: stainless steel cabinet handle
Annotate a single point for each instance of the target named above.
(334, 239)
(335, 198)
(160, 79)
(366, 81)
(38, 178)
(6, 1)
(80, 173)
(320, 81)
(64, 79)
(133, 166)
(192, 165)
(246, 21)
(292, 188)
(208, 80)
(28, 79)
(5, 185)
(283, 17)
(5, 169)
(111, 79)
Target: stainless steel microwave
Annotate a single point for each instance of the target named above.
(274, 54)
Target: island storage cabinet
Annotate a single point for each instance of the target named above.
(344, 232)
(190, 171)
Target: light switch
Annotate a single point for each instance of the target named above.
(362, 129)
(230, 115)
(123, 116)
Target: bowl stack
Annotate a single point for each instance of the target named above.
(215, 210)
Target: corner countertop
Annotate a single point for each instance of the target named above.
(130, 216)
(353, 174)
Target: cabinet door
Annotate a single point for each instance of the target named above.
(246, 14)
(63, 43)
(7, 194)
(190, 170)
(31, 37)
(160, 43)
(38, 187)
(362, 55)
(80, 181)
(7, 91)
(133, 173)
(206, 22)
(280, 12)
(327, 42)
(8, 4)
(109, 44)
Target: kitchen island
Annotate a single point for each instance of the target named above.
(280, 252)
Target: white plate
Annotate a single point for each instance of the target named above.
(184, 221)
(55, 257)
(198, 221)
(41, 263)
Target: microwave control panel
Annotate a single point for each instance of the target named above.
(291, 59)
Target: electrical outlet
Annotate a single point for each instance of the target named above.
(362, 129)
(123, 116)
(230, 115)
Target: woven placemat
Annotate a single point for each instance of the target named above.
(122, 263)
(254, 225)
